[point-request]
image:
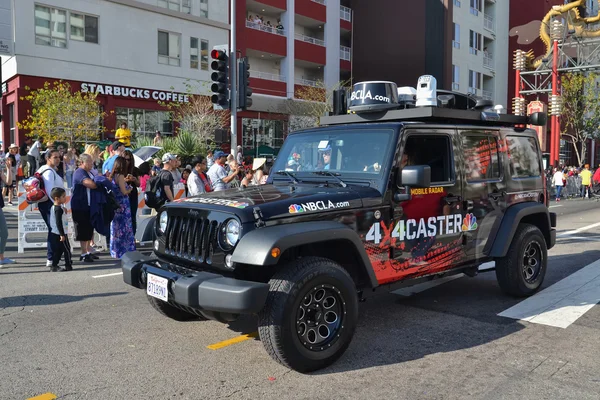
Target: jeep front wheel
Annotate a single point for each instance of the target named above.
(310, 315)
(521, 272)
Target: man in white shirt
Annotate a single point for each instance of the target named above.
(218, 174)
(33, 156)
(51, 180)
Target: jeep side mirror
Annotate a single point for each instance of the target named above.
(538, 119)
(416, 176)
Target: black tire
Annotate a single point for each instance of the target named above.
(516, 273)
(169, 311)
(285, 325)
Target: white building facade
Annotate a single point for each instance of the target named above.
(480, 48)
(133, 53)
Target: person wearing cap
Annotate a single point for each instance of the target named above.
(218, 174)
(166, 177)
(118, 149)
(123, 135)
(325, 158)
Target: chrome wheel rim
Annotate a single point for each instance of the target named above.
(532, 262)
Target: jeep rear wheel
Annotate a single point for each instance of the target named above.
(310, 315)
(521, 272)
(170, 311)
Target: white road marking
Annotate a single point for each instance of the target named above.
(104, 276)
(583, 228)
(584, 238)
(558, 205)
(562, 303)
(412, 290)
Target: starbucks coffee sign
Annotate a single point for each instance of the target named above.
(134, 93)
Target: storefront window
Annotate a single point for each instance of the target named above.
(261, 137)
(145, 122)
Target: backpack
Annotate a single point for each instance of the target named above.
(153, 192)
(34, 187)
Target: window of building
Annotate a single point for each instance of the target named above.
(457, 3)
(435, 151)
(261, 137)
(474, 80)
(475, 7)
(475, 42)
(83, 27)
(204, 55)
(455, 77)
(186, 6)
(523, 155)
(50, 26)
(145, 122)
(481, 158)
(456, 38)
(194, 52)
(168, 48)
(204, 8)
(170, 4)
(11, 122)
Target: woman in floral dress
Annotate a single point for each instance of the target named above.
(121, 231)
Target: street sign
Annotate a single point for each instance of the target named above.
(533, 107)
(6, 28)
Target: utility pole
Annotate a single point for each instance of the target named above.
(233, 80)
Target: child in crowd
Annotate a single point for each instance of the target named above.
(58, 238)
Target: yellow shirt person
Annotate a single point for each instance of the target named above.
(586, 176)
(123, 135)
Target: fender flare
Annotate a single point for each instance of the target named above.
(508, 226)
(255, 247)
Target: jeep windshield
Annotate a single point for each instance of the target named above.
(317, 155)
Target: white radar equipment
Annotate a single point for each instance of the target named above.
(427, 91)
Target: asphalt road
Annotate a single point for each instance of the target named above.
(87, 335)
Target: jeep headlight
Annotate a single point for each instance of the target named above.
(232, 232)
(163, 219)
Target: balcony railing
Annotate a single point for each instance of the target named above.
(309, 39)
(346, 13)
(345, 53)
(265, 28)
(319, 1)
(268, 76)
(487, 94)
(489, 23)
(307, 82)
(488, 61)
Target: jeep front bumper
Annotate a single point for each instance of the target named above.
(196, 289)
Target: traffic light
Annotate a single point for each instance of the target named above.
(220, 77)
(245, 92)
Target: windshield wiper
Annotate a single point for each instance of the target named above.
(334, 175)
(292, 177)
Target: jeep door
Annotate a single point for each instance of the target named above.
(484, 186)
(423, 235)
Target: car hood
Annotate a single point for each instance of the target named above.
(278, 201)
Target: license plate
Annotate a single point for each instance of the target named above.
(157, 287)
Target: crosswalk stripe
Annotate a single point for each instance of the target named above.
(562, 303)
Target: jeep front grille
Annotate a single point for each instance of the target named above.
(193, 239)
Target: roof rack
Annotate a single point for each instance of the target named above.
(384, 101)
(431, 114)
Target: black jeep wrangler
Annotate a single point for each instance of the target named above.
(390, 195)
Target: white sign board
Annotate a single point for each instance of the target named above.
(6, 28)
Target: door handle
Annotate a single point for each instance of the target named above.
(497, 195)
(452, 199)
(468, 205)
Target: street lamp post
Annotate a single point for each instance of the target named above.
(557, 32)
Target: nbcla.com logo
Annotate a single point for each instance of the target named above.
(469, 223)
(295, 208)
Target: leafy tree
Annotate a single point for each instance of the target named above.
(310, 104)
(580, 117)
(198, 118)
(59, 114)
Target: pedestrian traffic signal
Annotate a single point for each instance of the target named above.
(245, 92)
(220, 77)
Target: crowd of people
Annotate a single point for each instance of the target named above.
(90, 174)
(569, 181)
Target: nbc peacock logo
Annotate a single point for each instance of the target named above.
(295, 208)
(469, 223)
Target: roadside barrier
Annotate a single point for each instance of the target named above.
(32, 230)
